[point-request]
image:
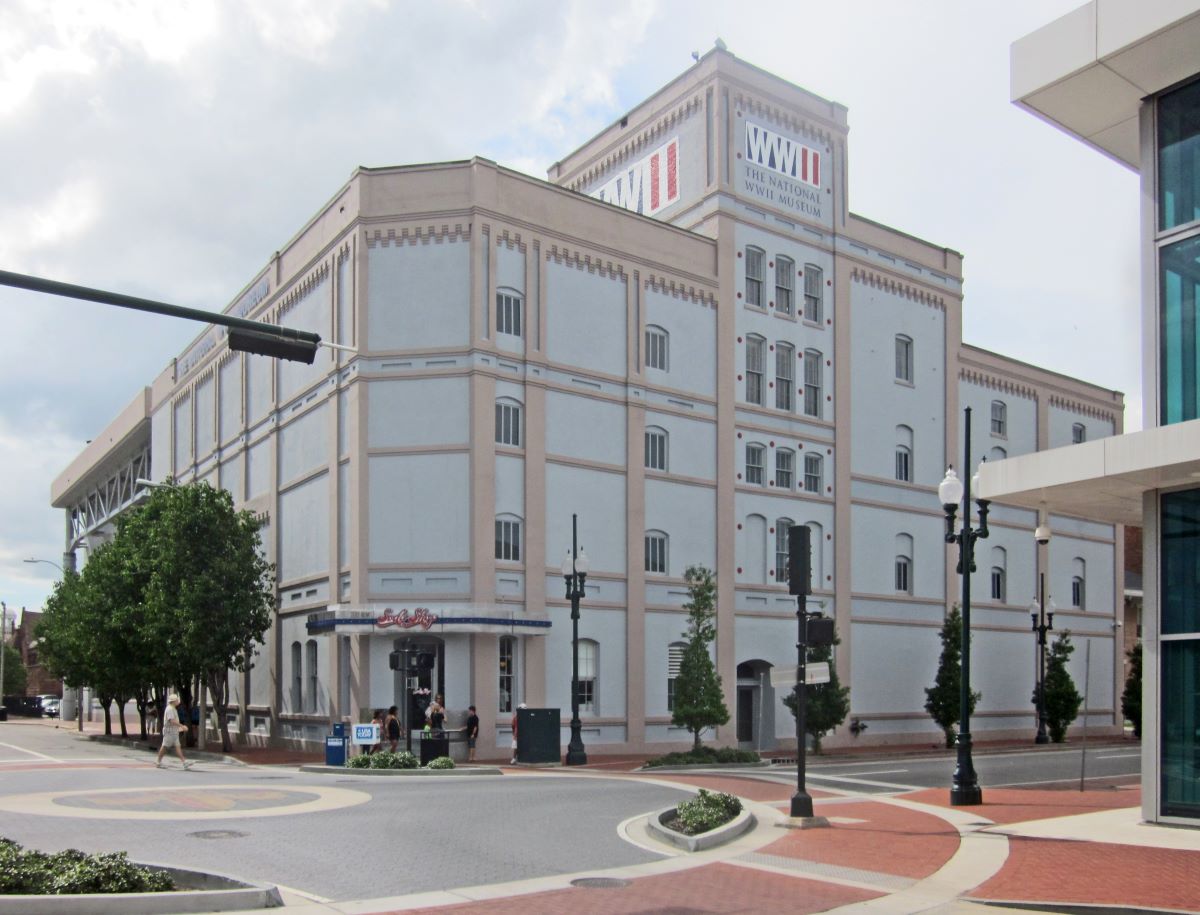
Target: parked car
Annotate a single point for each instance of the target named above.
(50, 705)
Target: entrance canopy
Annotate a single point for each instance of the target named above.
(393, 620)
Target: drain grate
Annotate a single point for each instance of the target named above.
(600, 883)
(218, 834)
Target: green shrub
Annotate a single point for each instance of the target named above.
(704, 756)
(387, 760)
(442, 762)
(72, 871)
(361, 761)
(705, 812)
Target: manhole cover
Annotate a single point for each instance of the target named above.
(218, 834)
(600, 883)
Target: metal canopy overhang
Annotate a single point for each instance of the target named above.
(1103, 480)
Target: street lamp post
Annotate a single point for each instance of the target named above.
(953, 492)
(574, 570)
(1041, 615)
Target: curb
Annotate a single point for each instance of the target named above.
(693, 767)
(347, 770)
(705, 840)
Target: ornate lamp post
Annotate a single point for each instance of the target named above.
(965, 788)
(1041, 615)
(574, 571)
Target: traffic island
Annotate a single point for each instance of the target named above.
(727, 832)
(197, 891)
(348, 770)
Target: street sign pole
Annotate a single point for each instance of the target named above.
(800, 584)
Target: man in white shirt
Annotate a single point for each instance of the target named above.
(170, 733)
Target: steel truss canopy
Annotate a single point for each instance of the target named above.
(244, 335)
(103, 502)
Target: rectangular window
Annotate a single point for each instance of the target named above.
(903, 465)
(1179, 711)
(904, 359)
(785, 357)
(755, 364)
(1078, 434)
(656, 553)
(674, 661)
(785, 284)
(812, 382)
(999, 418)
(311, 651)
(508, 539)
(508, 314)
(814, 290)
(754, 465)
(998, 585)
(508, 424)
(656, 449)
(782, 526)
(1179, 317)
(903, 575)
(506, 674)
(783, 469)
(656, 348)
(1077, 595)
(1179, 157)
(754, 277)
(587, 676)
(812, 472)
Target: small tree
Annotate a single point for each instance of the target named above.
(15, 676)
(943, 700)
(699, 701)
(1131, 698)
(1062, 699)
(826, 705)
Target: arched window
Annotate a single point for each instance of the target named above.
(656, 552)
(1079, 583)
(999, 418)
(997, 454)
(813, 472)
(508, 672)
(656, 448)
(756, 456)
(508, 422)
(508, 312)
(1078, 434)
(812, 382)
(904, 358)
(674, 661)
(658, 348)
(999, 579)
(589, 652)
(785, 285)
(904, 454)
(814, 293)
(756, 357)
(754, 276)
(785, 469)
(782, 526)
(785, 376)
(755, 564)
(904, 564)
(508, 538)
(297, 678)
(310, 652)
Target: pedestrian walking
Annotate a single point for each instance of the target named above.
(377, 720)
(170, 736)
(472, 732)
(393, 729)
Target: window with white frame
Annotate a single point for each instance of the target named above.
(1078, 434)
(782, 526)
(756, 357)
(904, 358)
(297, 678)
(1079, 583)
(508, 422)
(656, 448)
(903, 566)
(674, 662)
(785, 285)
(508, 313)
(755, 460)
(904, 450)
(656, 552)
(785, 358)
(754, 276)
(588, 657)
(812, 382)
(999, 418)
(814, 293)
(310, 652)
(813, 467)
(999, 577)
(785, 464)
(657, 348)
(508, 646)
(508, 538)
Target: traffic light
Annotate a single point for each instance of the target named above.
(799, 560)
(282, 343)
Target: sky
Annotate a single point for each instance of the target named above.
(165, 150)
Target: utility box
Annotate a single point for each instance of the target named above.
(433, 745)
(335, 746)
(538, 732)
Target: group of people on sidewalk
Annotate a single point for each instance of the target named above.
(435, 722)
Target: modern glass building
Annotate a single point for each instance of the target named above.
(1125, 79)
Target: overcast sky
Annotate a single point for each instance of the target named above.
(167, 149)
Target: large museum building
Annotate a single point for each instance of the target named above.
(684, 339)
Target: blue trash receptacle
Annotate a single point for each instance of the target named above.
(335, 746)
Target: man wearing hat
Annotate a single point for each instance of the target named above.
(170, 733)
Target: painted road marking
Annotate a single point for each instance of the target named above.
(30, 752)
(815, 776)
(1120, 756)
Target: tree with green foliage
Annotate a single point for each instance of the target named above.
(65, 632)
(826, 705)
(1131, 698)
(943, 700)
(208, 593)
(699, 701)
(1062, 699)
(16, 678)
